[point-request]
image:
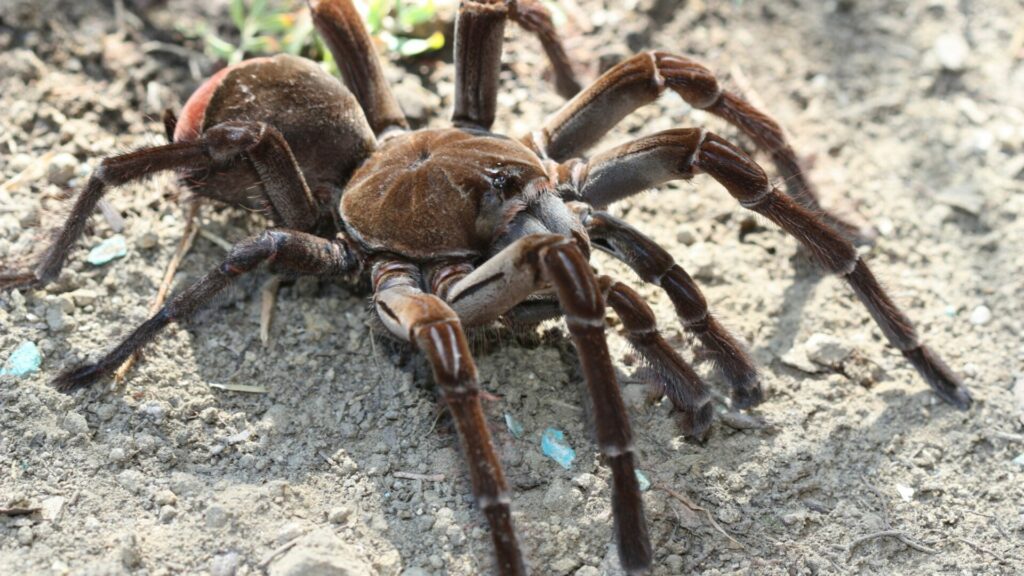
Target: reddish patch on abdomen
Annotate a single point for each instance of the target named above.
(190, 121)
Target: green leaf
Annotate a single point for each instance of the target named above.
(300, 34)
(411, 16)
(237, 9)
(378, 10)
(257, 9)
(220, 48)
(417, 46)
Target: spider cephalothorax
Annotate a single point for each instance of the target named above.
(443, 194)
(460, 227)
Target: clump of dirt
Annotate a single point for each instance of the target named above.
(911, 115)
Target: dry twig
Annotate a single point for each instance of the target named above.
(191, 227)
(692, 506)
(268, 297)
(415, 476)
(899, 535)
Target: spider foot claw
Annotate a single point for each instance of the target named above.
(77, 378)
(695, 423)
(940, 377)
(745, 383)
(746, 391)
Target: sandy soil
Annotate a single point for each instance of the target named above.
(911, 114)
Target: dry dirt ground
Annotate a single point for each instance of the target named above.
(909, 111)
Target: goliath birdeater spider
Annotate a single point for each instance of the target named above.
(459, 227)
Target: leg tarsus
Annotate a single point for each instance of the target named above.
(675, 378)
(655, 265)
(939, 376)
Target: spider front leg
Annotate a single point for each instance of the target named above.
(428, 323)
(506, 279)
(291, 251)
(648, 162)
(479, 35)
(639, 81)
(285, 189)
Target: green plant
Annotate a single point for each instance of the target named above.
(289, 29)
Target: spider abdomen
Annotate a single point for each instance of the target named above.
(318, 117)
(437, 194)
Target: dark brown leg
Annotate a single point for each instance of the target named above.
(676, 379)
(507, 279)
(639, 81)
(295, 252)
(427, 322)
(285, 188)
(341, 27)
(653, 264)
(535, 18)
(479, 32)
(683, 152)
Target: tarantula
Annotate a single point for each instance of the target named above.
(459, 227)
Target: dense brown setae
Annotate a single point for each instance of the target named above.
(460, 227)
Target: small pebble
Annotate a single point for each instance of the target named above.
(700, 261)
(645, 483)
(826, 350)
(225, 564)
(553, 445)
(339, 515)
(981, 315)
(686, 236)
(55, 318)
(585, 481)
(61, 169)
(114, 247)
(905, 492)
(885, 226)
(75, 423)
(217, 517)
(167, 513)
(147, 241)
(165, 498)
(1019, 460)
(952, 51)
(84, 297)
(117, 455)
(25, 360)
(794, 518)
(729, 514)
